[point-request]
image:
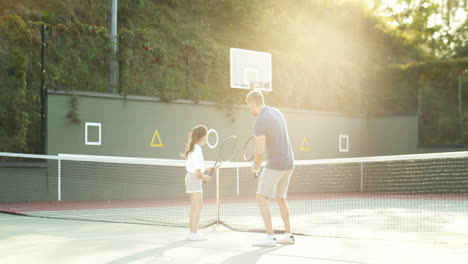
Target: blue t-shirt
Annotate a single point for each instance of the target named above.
(278, 152)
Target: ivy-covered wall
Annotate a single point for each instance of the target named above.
(173, 51)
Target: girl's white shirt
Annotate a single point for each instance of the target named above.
(195, 160)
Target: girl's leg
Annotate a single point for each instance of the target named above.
(197, 202)
(200, 206)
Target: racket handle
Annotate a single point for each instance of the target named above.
(256, 174)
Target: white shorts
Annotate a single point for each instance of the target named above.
(192, 183)
(274, 183)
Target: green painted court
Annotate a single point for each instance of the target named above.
(39, 240)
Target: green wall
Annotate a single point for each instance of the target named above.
(28, 181)
(392, 135)
(128, 127)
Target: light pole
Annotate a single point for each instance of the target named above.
(114, 71)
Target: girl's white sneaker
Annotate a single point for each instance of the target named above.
(196, 236)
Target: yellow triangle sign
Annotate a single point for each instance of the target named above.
(305, 145)
(156, 135)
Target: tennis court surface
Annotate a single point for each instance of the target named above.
(94, 209)
(41, 240)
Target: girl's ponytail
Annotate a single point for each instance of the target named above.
(197, 133)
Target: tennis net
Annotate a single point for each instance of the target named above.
(420, 197)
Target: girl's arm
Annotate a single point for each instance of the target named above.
(202, 177)
(209, 169)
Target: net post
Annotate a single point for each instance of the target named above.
(217, 196)
(59, 180)
(237, 176)
(362, 176)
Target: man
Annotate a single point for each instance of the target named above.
(272, 141)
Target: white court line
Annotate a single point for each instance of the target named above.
(16, 218)
(88, 238)
(71, 215)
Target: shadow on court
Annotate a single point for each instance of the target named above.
(153, 254)
(251, 256)
(157, 254)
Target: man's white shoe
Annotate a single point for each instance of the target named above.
(196, 236)
(267, 241)
(287, 238)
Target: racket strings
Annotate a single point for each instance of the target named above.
(249, 149)
(228, 150)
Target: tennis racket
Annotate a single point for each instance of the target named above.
(248, 152)
(226, 152)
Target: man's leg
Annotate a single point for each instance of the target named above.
(265, 189)
(282, 190)
(264, 205)
(284, 210)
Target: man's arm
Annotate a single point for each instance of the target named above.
(259, 152)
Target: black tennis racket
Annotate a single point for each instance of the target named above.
(248, 152)
(226, 152)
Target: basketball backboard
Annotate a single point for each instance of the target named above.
(250, 69)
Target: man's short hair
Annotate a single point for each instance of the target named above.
(255, 97)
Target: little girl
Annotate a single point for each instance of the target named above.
(195, 177)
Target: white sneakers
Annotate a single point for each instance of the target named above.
(270, 241)
(267, 241)
(196, 237)
(287, 238)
